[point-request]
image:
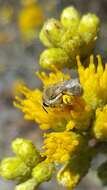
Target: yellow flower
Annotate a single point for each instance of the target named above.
(33, 110)
(75, 114)
(53, 78)
(100, 124)
(60, 146)
(30, 17)
(80, 119)
(16, 85)
(94, 82)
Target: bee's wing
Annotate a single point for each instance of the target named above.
(52, 94)
(73, 87)
(54, 90)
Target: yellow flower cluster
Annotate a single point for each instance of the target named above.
(77, 115)
(74, 112)
(32, 107)
(94, 82)
(100, 125)
(60, 146)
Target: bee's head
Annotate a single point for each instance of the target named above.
(45, 104)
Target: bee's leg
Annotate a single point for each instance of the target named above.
(67, 99)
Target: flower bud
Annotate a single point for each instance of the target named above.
(70, 17)
(52, 32)
(68, 178)
(88, 27)
(54, 57)
(68, 35)
(44, 39)
(14, 169)
(30, 184)
(43, 171)
(72, 47)
(70, 175)
(26, 151)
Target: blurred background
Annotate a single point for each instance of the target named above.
(20, 22)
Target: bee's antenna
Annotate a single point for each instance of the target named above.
(44, 109)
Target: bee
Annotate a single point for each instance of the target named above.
(53, 94)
